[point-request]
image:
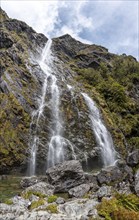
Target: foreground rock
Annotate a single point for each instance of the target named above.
(115, 174)
(30, 181)
(76, 209)
(79, 208)
(79, 191)
(66, 175)
(137, 182)
(41, 187)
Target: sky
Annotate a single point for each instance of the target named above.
(110, 23)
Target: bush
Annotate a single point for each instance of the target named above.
(122, 207)
(36, 204)
(51, 199)
(52, 208)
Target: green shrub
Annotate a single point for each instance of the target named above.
(28, 194)
(122, 207)
(52, 208)
(8, 202)
(52, 198)
(36, 204)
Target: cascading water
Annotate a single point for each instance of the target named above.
(103, 137)
(56, 145)
(57, 142)
(37, 114)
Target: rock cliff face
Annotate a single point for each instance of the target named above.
(111, 80)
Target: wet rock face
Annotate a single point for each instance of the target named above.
(66, 175)
(133, 158)
(20, 84)
(5, 40)
(110, 174)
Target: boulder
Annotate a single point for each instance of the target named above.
(76, 208)
(123, 187)
(79, 191)
(66, 175)
(137, 182)
(104, 191)
(30, 181)
(133, 158)
(115, 174)
(60, 200)
(41, 187)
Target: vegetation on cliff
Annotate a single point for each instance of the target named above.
(17, 89)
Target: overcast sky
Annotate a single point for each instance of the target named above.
(110, 23)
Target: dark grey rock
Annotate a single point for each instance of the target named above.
(4, 88)
(41, 187)
(123, 188)
(5, 40)
(30, 181)
(60, 200)
(66, 175)
(114, 174)
(137, 182)
(79, 191)
(104, 191)
(133, 158)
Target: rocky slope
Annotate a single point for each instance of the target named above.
(111, 80)
(66, 192)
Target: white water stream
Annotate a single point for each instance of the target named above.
(103, 137)
(57, 142)
(58, 146)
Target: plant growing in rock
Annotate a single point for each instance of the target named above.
(52, 198)
(52, 208)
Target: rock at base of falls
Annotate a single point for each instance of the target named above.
(79, 191)
(66, 175)
(133, 158)
(41, 187)
(32, 180)
(115, 174)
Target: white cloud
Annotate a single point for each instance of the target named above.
(109, 23)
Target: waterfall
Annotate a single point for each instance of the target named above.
(102, 135)
(57, 142)
(38, 113)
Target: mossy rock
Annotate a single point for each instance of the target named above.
(36, 204)
(52, 198)
(52, 208)
(28, 194)
(13, 129)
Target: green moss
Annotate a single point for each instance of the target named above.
(8, 202)
(63, 195)
(111, 88)
(52, 208)
(36, 204)
(13, 127)
(52, 198)
(28, 194)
